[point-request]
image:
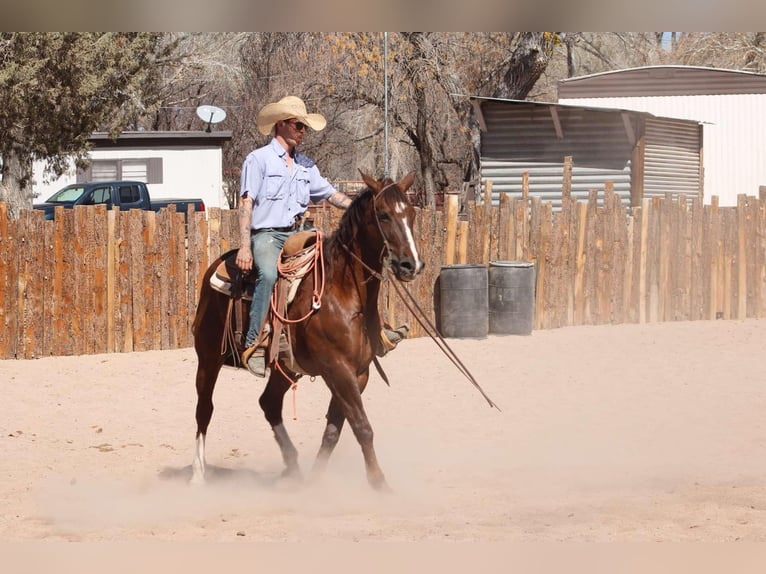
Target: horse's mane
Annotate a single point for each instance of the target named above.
(352, 219)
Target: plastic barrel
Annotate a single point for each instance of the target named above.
(511, 297)
(463, 290)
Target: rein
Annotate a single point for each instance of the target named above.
(412, 305)
(430, 328)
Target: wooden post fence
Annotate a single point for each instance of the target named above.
(98, 281)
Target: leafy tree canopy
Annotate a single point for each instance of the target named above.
(56, 89)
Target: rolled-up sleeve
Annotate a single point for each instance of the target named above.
(252, 176)
(319, 188)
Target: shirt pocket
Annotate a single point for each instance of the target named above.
(303, 186)
(274, 186)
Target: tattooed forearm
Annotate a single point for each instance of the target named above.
(245, 217)
(340, 200)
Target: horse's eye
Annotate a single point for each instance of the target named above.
(384, 217)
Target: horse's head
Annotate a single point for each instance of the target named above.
(395, 219)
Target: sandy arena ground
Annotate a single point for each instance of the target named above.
(626, 433)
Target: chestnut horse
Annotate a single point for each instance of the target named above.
(339, 340)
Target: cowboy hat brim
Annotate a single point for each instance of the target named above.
(287, 108)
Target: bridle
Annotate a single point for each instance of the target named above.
(386, 249)
(386, 246)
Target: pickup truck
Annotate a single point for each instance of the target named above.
(124, 194)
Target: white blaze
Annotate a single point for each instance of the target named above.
(401, 210)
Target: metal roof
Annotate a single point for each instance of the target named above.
(159, 138)
(477, 100)
(663, 81)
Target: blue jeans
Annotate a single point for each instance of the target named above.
(266, 245)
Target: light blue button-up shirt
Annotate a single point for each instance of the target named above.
(279, 194)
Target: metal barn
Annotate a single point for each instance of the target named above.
(642, 154)
(729, 104)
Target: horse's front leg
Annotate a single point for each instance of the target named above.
(272, 401)
(347, 390)
(335, 419)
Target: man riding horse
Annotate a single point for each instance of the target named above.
(277, 184)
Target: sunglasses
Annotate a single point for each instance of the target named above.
(300, 126)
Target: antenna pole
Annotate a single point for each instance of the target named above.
(385, 102)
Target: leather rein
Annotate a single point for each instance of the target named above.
(412, 305)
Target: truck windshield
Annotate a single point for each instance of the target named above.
(67, 195)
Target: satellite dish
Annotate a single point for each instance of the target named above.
(211, 115)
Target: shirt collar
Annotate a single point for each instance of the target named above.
(277, 147)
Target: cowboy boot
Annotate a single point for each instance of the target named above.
(390, 338)
(254, 359)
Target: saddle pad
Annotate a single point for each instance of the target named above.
(220, 282)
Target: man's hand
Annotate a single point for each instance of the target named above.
(245, 258)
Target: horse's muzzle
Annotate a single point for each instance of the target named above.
(406, 269)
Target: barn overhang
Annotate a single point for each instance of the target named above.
(633, 150)
(554, 110)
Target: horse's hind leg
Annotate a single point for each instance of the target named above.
(272, 401)
(207, 374)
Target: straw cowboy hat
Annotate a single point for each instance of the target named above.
(285, 109)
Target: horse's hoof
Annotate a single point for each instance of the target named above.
(289, 480)
(379, 484)
(293, 474)
(197, 480)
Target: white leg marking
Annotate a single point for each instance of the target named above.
(198, 465)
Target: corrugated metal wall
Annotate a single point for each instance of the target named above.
(546, 180)
(522, 137)
(671, 158)
(734, 136)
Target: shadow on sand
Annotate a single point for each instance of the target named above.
(218, 474)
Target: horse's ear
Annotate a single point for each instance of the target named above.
(407, 181)
(371, 183)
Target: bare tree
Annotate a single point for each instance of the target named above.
(728, 50)
(586, 53)
(432, 75)
(204, 68)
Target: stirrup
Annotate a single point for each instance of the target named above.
(390, 338)
(247, 353)
(254, 353)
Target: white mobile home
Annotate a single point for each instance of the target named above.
(173, 164)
